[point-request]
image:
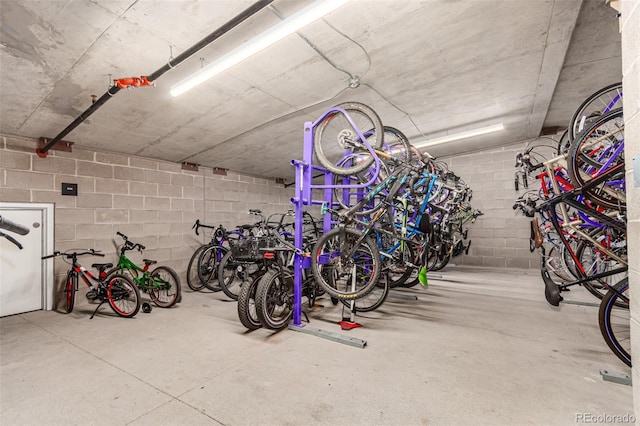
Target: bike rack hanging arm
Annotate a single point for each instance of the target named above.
(228, 26)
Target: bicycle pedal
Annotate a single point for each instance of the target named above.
(92, 295)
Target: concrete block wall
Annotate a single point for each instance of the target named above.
(630, 29)
(500, 238)
(153, 202)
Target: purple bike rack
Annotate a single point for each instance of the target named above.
(304, 188)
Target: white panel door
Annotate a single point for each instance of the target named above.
(21, 285)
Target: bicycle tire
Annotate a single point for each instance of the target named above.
(403, 271)
(364, 259)
(598, 262)
(165, 290)
(614, 321)
(584, 111)
(274, 299)
(123, 296)
(611, 197)
(348, 197)
(247, 305)
(233, 275)
(193, 279)
(70, 287)
(335, 134)
(208, 266)
(373, 300)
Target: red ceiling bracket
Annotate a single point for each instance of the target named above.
(219, 171)
(60, 146)
(189, 166)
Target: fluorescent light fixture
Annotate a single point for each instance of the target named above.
(274, 34)
(461, 135)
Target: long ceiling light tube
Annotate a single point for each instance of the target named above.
(274, 34)
(458, 136)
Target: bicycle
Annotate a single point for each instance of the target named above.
(162, 284)
(203, 265)
(118, 290)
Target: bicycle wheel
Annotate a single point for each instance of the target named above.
(247, 305)
(193, 278)
(70, 287)
(348, 197)
(595, 261)
(232, 275)
(164, 287)
(615, 323)
(346, 265)
(208, 266)
(597, 151)
(400, 267)
(395, 142)
(373, 300)
(599, 103)
(123, 296)
(339, 134)
(274, 299)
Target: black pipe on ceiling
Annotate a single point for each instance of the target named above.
(228, 26)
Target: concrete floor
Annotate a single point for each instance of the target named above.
(478, 347)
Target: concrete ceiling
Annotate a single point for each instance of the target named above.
(429, 68)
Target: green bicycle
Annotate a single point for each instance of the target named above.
(162, 284)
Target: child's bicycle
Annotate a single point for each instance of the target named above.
(121, 293)
(162, 284)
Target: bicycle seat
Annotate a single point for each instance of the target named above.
(149, 262)
(102, 266)
(246, 226)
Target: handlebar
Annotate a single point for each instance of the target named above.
(12, 226)
(74, 254)
(128, 245)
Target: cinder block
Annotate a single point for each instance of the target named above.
(28, 180)
(132, 231)
(157, 176)
(182, 180)
(15, 160)
(65, 232)
(97, 232)
(169, 216)
(94, 200)
(128, 173)
(156, 203)
(496, 262)
(179, 228)
(169, 242)
(175, 191)
(170, 167)
(142, 163)
(15, 195)
(53, 197)
(190, 218)
(139, 188)
(156, 229)
(112, 186)
(129, 202)
(181, 204)
(198, 205)
(74, 216)
(143, 216)
(108, 158)
(54, 165)
(86, 168)
(112, 216)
